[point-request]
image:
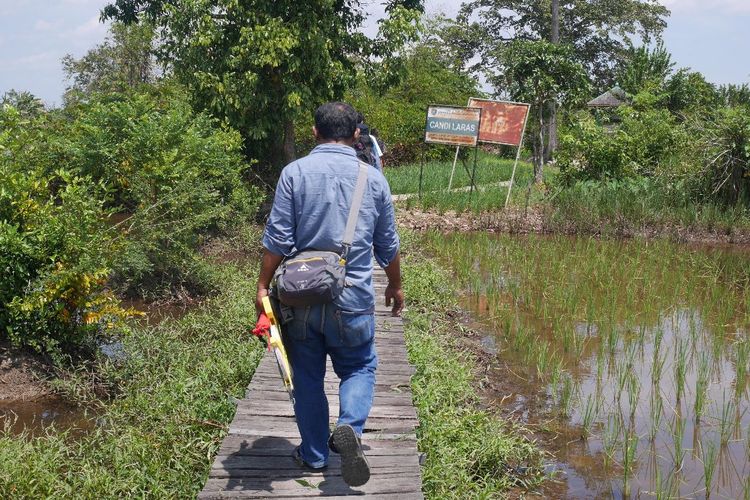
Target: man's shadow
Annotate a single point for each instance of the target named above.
(266, 464)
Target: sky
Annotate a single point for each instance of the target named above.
(710, 36)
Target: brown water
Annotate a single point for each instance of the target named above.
(604, 348)
(45, 414)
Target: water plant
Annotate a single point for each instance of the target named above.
(708, 457)
(701, 385)
(613, 316)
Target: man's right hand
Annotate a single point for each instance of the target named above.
(262, 292)
(397, 296)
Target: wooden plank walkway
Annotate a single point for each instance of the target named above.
(254, 460)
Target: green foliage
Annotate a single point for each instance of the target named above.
(598, 31)
(118, 191)
(734, 95)
(640, 142)
(175, 390)
(645, 69)
(26, 103)
(689, 91)
(122, 62)
(53, 245)
(399, 113)
(538, 72)
(172, 175)
(256, 64)
(723, 149)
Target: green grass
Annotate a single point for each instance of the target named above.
(470, 452)
(173, 400)
(633, 205)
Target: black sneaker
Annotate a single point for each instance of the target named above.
(354, 466)
(297, 457)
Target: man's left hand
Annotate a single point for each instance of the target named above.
(395, 295)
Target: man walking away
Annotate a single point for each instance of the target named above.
(310, 211)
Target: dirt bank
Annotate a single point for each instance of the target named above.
(22, 376)
(538, 220)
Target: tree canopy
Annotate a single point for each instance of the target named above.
(259, 64)
(599, 31)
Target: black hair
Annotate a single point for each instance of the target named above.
(336, 121)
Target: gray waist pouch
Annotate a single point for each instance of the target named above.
(311, 277)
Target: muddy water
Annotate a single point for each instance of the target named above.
(41, 415)
(607, 348)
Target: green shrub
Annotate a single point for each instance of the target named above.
(639, 141)
(173, 176)
(53, 249)
(399, 113)
(723, 150)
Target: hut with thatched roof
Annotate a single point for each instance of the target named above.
(613, 98)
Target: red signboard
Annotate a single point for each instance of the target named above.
(502, 122)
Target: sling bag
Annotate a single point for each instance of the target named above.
(316, 276)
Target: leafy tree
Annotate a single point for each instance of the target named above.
(25, 103)
(688, 91)
(735, 95)
(598, 31)
(123, 61)
(258, 64)
(431, 76)
(538, 72)
(723, 147)
(645, 69)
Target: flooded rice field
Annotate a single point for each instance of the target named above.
(634, 355)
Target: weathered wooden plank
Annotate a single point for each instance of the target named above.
(414, 495)
(380, 399)
(331, 485)
(268, 409)
(284, 462)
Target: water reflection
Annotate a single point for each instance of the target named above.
(637, 351)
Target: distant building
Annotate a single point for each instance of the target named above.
(605, 105)
(613, 98)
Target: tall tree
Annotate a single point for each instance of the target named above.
(645, 68)
(540, 72)
(598, 32)
(258, 64)
(554, 38)
(124, 60)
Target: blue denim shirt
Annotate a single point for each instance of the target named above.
(310, 209)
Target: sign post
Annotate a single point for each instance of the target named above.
(455, 126)
(503, 122)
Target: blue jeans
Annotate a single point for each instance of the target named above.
(349, 339)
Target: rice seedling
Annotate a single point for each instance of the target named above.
(657, 411)
(657, 367)
(726, 420)
(630, 447)
(666, 487)
(677, 428)
(701, 385)
(742, 354)
(566, 394)
(653, 312)
(708, 457)
(680, 368)
(590, 410)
